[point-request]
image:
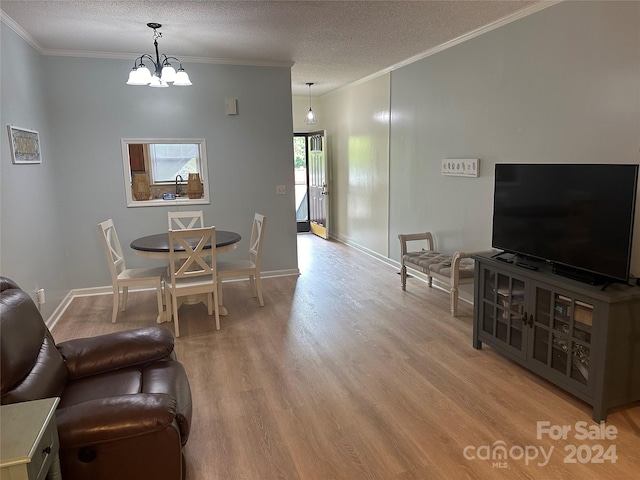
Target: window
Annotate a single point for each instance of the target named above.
(156, 171)
(168, 160)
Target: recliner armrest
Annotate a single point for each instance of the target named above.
(104, 353)
(112, 418)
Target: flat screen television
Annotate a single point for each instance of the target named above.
(577, 217)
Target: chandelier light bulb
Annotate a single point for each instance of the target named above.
(310, 118)
(168, 73)
(133, 77)
(157, 82)
(182, 79)
(143, 77)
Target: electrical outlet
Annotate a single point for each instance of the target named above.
(280, 190)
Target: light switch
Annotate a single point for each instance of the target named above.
(280, 190)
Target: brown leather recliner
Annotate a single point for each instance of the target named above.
(125, 402)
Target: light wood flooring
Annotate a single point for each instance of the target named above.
(342, 375)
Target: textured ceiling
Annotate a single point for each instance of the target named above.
(331, 43)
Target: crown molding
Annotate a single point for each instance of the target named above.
(183, 59)
(11, 23)
(536, 7)
(21, 32)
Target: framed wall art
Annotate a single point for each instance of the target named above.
(461, 167)
(24, 145)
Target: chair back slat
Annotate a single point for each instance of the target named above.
(112, 248)
(188, 255)
(257, 237)
(186, 220)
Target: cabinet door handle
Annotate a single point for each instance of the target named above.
(531, 320)
(524, 318)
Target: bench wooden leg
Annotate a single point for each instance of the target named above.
(403, 277)
(454, 301)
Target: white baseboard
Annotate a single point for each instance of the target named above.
(57, 313)
(462, 294)
(366, 250)
(108, 290)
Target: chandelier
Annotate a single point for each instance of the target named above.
(163, 72)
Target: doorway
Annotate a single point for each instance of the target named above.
(301, 181)
(311, 183)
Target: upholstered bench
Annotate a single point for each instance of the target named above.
(452, 270)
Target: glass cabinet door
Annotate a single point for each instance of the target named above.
(503, 312)
(581, 341)
(561, 335)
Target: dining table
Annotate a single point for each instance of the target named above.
(157, 246)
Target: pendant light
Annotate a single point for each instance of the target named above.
(310, 118)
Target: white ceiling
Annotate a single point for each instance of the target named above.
(331, 43)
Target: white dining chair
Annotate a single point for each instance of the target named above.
(122, 277)
(185, 220)
(189, 271)
(247, 268)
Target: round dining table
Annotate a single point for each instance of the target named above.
(157, 246)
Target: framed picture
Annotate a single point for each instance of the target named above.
(24, 145)
(461, 167)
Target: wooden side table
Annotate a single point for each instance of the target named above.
(29, 441)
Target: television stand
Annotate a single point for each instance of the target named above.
(584, 340)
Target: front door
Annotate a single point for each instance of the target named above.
(318, 184)
(300, 171)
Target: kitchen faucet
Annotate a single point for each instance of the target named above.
(178, 184)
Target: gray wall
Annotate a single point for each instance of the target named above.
(561, 85)
(85, 108)
(31, 231)
(358, 139)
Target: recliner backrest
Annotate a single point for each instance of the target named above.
(31, 367)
